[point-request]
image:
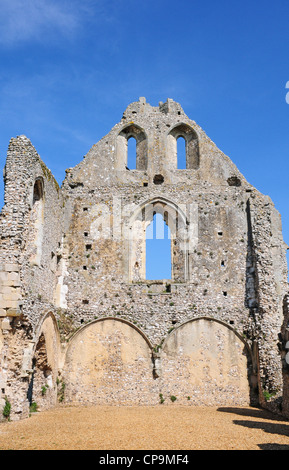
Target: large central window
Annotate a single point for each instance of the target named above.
(157, 242)
(158, 250)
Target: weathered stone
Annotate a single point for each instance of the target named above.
(5, 325)
(2, 312)
(73, 259)
(13, 312)
(11, 267)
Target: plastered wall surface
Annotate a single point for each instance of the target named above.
(205, 363)
(109, 362)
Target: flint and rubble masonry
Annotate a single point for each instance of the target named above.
(76, 307)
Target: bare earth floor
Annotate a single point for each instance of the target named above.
(160, 427)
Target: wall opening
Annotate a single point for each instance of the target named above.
(41, 379)
(37, 221)
(37, 191)
(234, 181)
(181, 154)
(44, 357)
(131, 149)
(183, 148)
(162, 242)
(158, 179)
(158, 249)
(131, 153)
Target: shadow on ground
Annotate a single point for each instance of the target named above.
(272, 427)
(253, 413)
(273, 447)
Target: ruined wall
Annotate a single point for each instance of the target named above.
(78, 254)
(201, 362)
(270, 277)
(31, 234)
(230, 266)
(31, 227)
(103, 198)
(2, 382)
(284, 350)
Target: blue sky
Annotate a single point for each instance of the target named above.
(69, 68)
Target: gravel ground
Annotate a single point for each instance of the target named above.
(163, 427)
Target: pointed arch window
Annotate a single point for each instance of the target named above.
(157, 235)
(37, 221)
(131, 149)
(183, 148)
(37, 191)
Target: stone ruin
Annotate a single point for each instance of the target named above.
(80, 322)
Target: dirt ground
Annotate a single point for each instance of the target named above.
(147, 428)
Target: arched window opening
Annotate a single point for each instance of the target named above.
(131, 153)
(181, 154)
(37, 220)
(37, 191)
(158, 249)
(131, 149)
(183, 148)
(157, 236)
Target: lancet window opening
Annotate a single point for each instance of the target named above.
(37, 218)
(131, 149)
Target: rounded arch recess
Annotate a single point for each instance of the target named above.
(206, 362)
(98, 320)
(109, 361)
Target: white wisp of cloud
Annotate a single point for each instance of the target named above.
(40, 20)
